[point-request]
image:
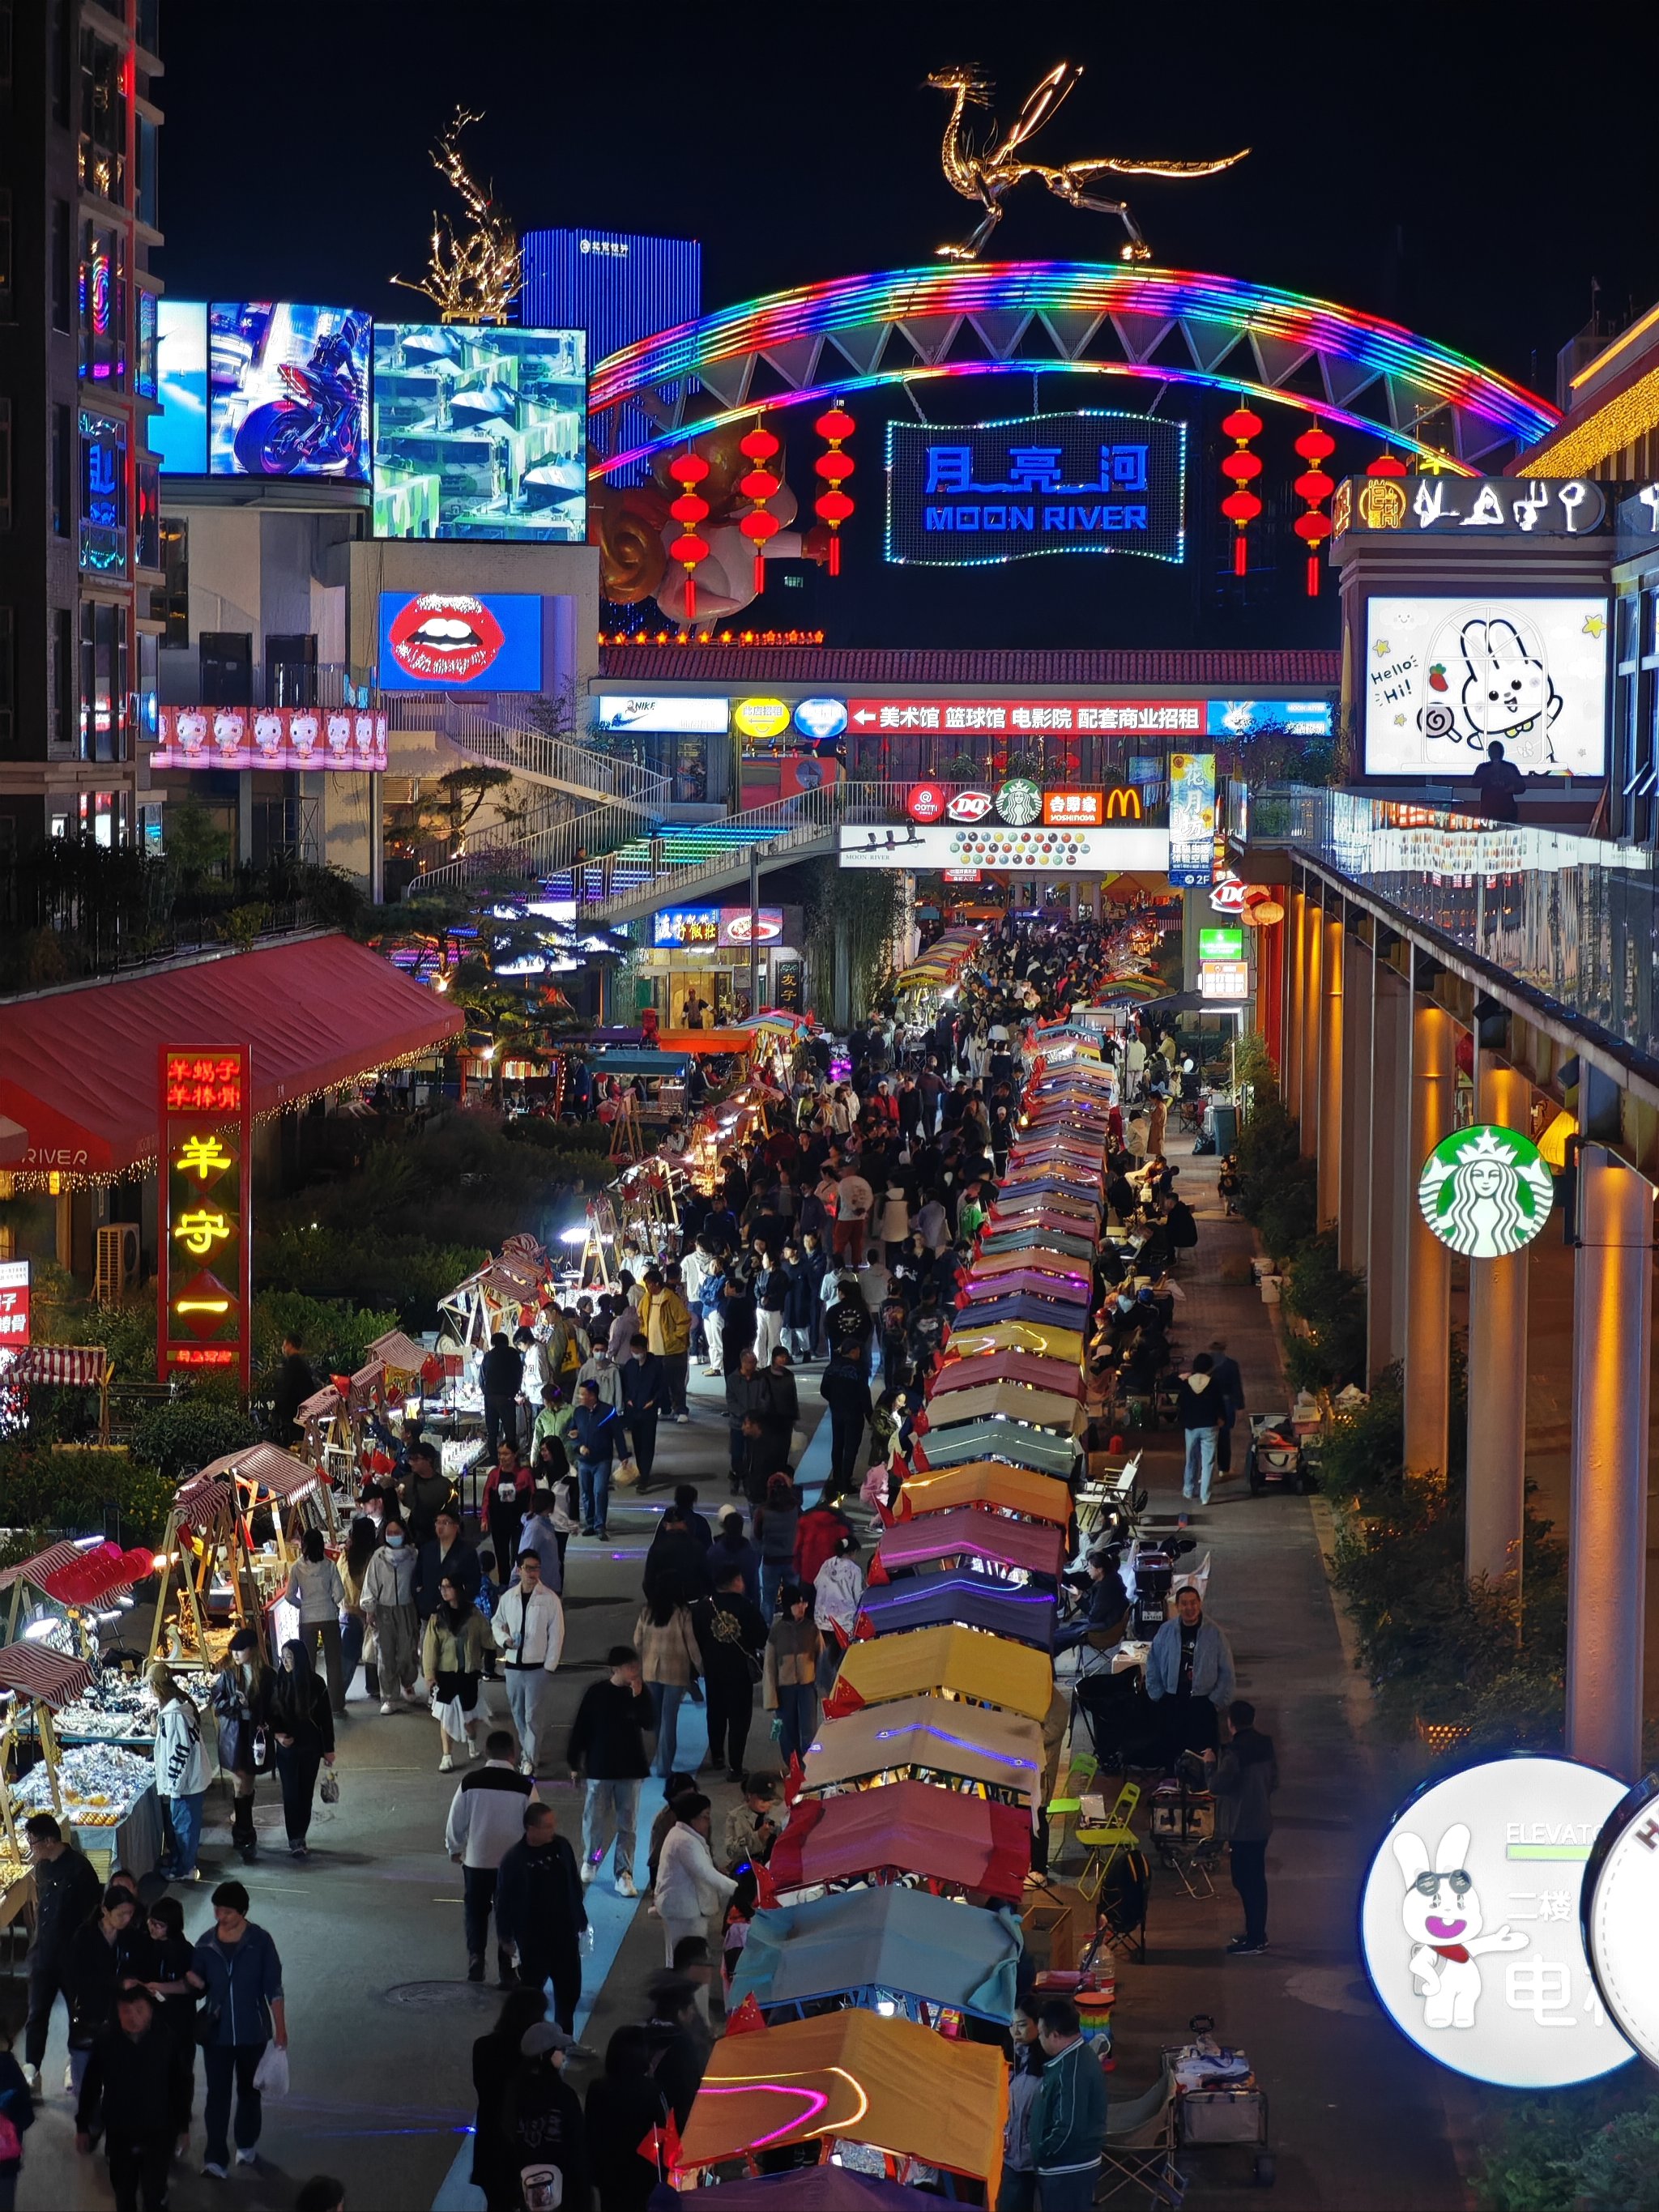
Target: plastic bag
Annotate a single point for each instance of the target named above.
(329, 1791)
(270, 2075)
(625, 1474)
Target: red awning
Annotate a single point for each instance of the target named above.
(87, 1365)
(77, 1068)
(39, 1671)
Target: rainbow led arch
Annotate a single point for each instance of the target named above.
(1039, 316)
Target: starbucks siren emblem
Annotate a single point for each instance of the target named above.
(1486, 1191)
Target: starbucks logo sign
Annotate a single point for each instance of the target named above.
(1486, 1191)
(1019, 801)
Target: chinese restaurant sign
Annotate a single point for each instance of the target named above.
(1192, 820)
(14, 1304)
(206, 1242)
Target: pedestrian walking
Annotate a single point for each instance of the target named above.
(242, 1688)
(445, 1552)
(302, 1722)
(106, 1952)
(732, 1638)
(1068, 2117)
(506, 1503)
(451, 1660)
(1200, 1412)
(1019, 2175)
(837, 1586)
(183, 1772)
(1228, 1377)
(731, 1549)
(677, 2041)
(607, 1754)
(1190, 1666)
(596, 1433)
(239, 1975)
(315, 1587)
(690, 1886)
(539, 1912)
(777, 1528)
(645, 1387)
(486, 1818)
(426, 1491)
(1246, 1776)
(625, 2111)
(496, 2056)
(545, 2130)
(666, 1319)
(362, 1539)
(529, 1630)
(500, 1377)
(125, 2096)
(392, 1617)
(171, 1952)
(670, 1664)
(792, 1646)
(751, 1826)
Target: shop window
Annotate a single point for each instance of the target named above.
(103, 544)
(144, 139)
(149, 669)
(147, 515)
(147, 26)
(63, 469)
(104, 731)
(103, 306)
(170, 604)
(63, 685)
(62, 266)
(103, 118)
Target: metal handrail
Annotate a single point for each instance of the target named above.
(494, 735)
(546, 850)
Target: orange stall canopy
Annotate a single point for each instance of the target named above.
(991, 1483)
(862, 2078)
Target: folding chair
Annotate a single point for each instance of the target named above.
(1104, 1840)
(1139, 2152)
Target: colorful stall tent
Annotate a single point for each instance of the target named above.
(1020, 1613)
(1056, 1236)
(71, 1578)
(1038, 1258)
(941, 1539)
(1038, 1449)
(852, 2076)
(1012, 1401)
(889, 1945)
(1049, 1340)
(990, 1484)
(1060, 1375)
(1022, 1305)
(946, 1661)
(910, 1828)
(926, 1736)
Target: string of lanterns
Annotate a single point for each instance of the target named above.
(833, 507)
(1241, 468)
(1316, 446)
(689, 470)
(758, 448)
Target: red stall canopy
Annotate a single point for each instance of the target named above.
(965, 1842)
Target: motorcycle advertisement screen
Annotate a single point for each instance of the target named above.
(288, 390)
(461, 642)
(480, 431)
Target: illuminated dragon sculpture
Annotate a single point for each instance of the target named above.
(989, 176)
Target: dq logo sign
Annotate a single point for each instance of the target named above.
(1486, 1191)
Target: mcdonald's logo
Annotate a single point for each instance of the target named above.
(1123, 803)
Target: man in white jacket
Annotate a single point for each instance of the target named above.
(529, 1630)
(690, 1886)
(486, 1818)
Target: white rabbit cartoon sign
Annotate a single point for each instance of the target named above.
(1469, 1924)
(1446, 678)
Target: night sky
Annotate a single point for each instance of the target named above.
(1468, 170)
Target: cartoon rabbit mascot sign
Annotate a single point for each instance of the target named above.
(1443, 1921)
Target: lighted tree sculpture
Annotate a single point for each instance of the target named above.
(472, 275)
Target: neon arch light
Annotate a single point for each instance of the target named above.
(1038, 317)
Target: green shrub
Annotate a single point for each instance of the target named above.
(1594, 2150)
(56, 1493)
(336, 1334)
(1332, 1301)
(185, 1433)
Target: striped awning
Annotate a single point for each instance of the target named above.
(204, 1502)
(42, 1565)
(40, 1672)
(266, 1467)
(85, 1363)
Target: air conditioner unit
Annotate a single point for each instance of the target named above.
(119, 1262)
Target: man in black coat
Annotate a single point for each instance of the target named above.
(66, 1894)
(500, 1377)
(676, 2048)
(448, 1553)
(539, 1911)
(294, 1384)
(731, 1636)
(127, 2094)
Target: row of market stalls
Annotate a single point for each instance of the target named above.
(888, 1952)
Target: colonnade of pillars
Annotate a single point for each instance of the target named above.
(1369, 1071)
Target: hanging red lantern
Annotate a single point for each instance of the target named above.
(1241, 468)
(832, 506)
(1315, 447)
(688, 470)
(758, 448)
(1387, 465)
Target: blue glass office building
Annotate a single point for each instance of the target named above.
(617, 286)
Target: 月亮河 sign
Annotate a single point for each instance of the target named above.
(1486, 1191)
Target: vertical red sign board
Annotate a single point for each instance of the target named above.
(203, 1316)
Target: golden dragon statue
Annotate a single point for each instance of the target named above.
(990, 175)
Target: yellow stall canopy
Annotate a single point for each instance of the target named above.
(1051, 1342)
(962, 1661)
(989, 1482)
(1009, 1402)
(862, 2078)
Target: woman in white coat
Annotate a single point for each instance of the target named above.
(183, 1769)
(689, 1887)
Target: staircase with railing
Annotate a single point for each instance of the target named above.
(491, 732)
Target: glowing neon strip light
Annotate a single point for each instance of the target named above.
(937, 1585)
(744, 2085)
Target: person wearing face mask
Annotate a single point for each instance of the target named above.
(390, 1612)
(241, 1706)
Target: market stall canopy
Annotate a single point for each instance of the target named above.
(1048, 1339)
(890, 1939)
(994, 1400)
(630, 1060)
(88, 1366)
(866, 2077)
(931, 1735)
(1013, 1206)
(1065, 1238)
(207, 1502)
(1035, 1258)
(1027, 1548)
(1022, 1305)
(990, 1484)
(1038, 1449)
(970, 1373)
(36, 1569)
(1023, 1613)
(971, 1843)
(1048, 1182)
(1073, 1292)
(264, 1467)
(37, 1670)
(400, 1352)
(881, 1669)
(711, 1043)
(77, 1066)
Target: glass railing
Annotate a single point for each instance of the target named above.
(1574, 918)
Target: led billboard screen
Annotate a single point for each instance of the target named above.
(480, 431)
(457, 642)
(178, 433)
(1446, 678)
(270, 736)
(288, 390)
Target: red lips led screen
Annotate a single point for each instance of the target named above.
(457, 641)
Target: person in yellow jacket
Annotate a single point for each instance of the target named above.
(666, 1320)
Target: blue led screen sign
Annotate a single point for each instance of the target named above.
(1089, 481)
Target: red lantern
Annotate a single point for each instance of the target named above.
(832, 506)
(1316, 446)
(1241, 507)
(1387, 465)
(688, 470)
(758, 447)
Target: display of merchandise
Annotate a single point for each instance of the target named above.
(97, 1784)
(121, 1704)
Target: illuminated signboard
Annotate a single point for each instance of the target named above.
(14, 1304)
(1192, 819)
(1221, 945)
(270, 736)
(1446, 678)
(1091, 808)
(1180, 717)
(288, 390)
(1222, 979)
(202, 1305)
(663, 712)
(457, 641)
(761, 718)
(1470, 1928)
(178, 429)
(1486, 1191)
(1621, 1917)
(1474, 506)
(723, 926)
(1250, 718)
(1082, 482)
(103, 544)
(995, 845)
(820, 721)
(480, 431)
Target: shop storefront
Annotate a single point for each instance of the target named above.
(702, 954)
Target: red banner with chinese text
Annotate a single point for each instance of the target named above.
(203, 1315)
